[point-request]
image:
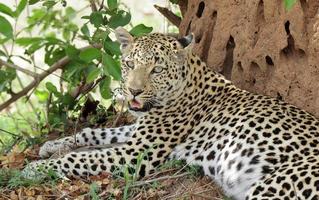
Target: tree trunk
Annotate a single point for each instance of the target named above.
(260, 45)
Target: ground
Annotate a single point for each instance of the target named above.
(173, 181)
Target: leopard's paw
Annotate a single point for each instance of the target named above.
(60, 146)
(40, 169)
(33, 170)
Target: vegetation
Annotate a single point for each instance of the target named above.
(55, 35)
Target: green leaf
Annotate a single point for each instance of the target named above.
(90, 54)
(120, 19)
(6, 77)
(73, 71)
(140, 29)
(21, 6)
(68, 100)
(72, 52)
(96, 18)
(49, 3)
(6, 10)
(34, 47)
(31, 2)
(26, 41)
(3, 40)
(85, 17)
(53, 40)
(53, 54)
(52, 89)
(100, 35)
(2, 53)
(111, 67)
(70, 13)
(85, 30)
(6, 28)
(36, 16)
(289, 4)
(112, 47)
(112, 4)
(105, 89)
(174, 1)
(66, 34)
(93, 74)
(42, 95)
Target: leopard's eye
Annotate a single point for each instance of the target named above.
(130, 64)
(157, 69)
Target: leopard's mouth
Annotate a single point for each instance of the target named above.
(135, 104)
(138, 106)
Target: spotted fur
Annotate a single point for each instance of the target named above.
(255, 147)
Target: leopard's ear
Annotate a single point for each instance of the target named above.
(124, 38)
(186, 44)
(187, 41)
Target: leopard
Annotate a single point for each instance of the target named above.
(253, 146)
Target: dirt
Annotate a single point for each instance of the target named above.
(260, 45)
(169, 183)
(166, 184)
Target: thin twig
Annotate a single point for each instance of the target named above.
(85, 88)
(5, 49)
(118, 115)
(67, 195)
(47, 110)
(77, 123)
(101, 5)
(14, 30)
(141, 183)
(58, 76)
(26, 71)
(9, 133)
(28, 100)
(198, 194)
(160, 173)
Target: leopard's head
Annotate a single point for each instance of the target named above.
(154, 68)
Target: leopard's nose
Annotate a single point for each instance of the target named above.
(135, 92)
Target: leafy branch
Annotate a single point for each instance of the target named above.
(50, 37)
(37, 77)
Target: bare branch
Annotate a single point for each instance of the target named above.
(61, 63)
(93, 5)
(174, 19)
(11, 65)
(101, 5)
(58, 65)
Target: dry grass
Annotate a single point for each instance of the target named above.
(167, 184)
